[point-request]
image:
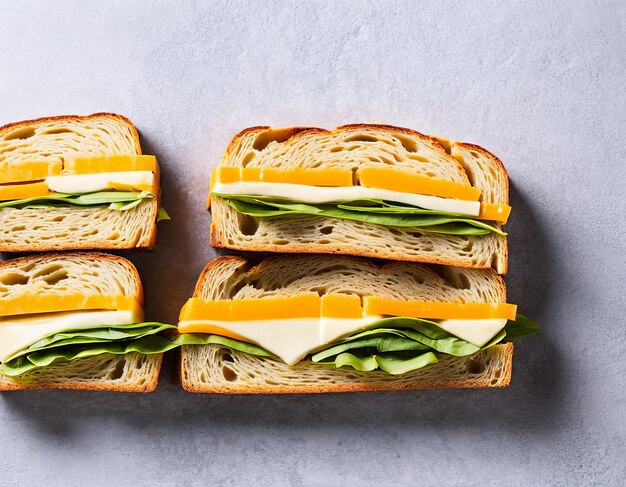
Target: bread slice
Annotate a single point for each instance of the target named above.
(353, 146)
(52, 139)
(87, 273)
(214, 368)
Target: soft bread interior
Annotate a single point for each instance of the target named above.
(354, 146)
(87, 274)
(214, 368)
(132, 372)
(61, 228)
(54, 139)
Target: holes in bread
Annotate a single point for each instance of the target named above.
(248, 225)
(248, 159)
(327, 230)
(114, 236)
(22, 133)
(227, 357)
(13, 279)
(18, 228)
(452, 277)
(58, 131)
(58, 218)
(51, 274)
(420, 159)
(409, 144)
(361, 138)
(475, 366)
(280, 241)
(273, 135)
(229, 374)
(336, 149)
(118, 370)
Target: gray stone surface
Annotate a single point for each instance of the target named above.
(542, 86)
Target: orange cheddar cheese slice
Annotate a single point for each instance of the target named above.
(305, 305)
(114, 163)
(407, 182)
(330, 176)
(20, 171)
(52, 303)
(375, 305)
(495, 212)
(341, 306)
(21, 191)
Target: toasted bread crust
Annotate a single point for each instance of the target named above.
(68, 256)
(503, 381)
(76, 118)
(97, 385)
(217, 240)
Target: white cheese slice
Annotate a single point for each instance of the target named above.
(322, 194)
(17, 333)
(292, 339)
(89, 183)
(478, 332)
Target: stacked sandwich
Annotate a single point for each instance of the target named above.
(75, 320)
(435, 317)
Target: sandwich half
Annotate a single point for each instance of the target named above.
(76, 182)
(366, 190)
(320, 323)
(75, 321)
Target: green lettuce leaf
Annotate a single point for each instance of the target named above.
(162, 214)
(386, 214)
(148, 345)
(520, 327)
(391, 363)
(115, 200)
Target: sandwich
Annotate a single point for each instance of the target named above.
(75, 321)
(76, 182)
(322, 323)
(366, 190)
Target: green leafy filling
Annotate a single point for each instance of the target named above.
(395, 345)
(115, 200)
(374, 211)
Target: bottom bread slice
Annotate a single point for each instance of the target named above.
(133, 372)
(63, 228)
(214, 368)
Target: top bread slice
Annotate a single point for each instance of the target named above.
(214, 368)
(350, 147)
(65, 228)
(86, 273)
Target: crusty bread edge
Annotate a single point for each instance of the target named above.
(217, 241)
(503, 381)
(53, 256)
(148, 242)
(77, 118)
(103, 385)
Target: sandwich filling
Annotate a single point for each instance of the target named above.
(347, 330)
(384, 196)
(118, 182)
(40, 329)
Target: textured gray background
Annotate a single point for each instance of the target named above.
(542, 87)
